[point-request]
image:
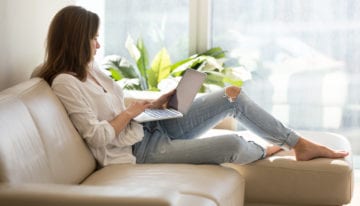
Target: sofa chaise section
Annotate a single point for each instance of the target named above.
(281, 180)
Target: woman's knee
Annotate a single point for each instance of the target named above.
(234, 144)
(241, 151)
(232, 92)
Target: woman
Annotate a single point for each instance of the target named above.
(95, 105)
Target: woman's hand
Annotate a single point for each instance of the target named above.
(137, 107)
(162, 101)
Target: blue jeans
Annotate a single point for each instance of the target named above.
(174, 140)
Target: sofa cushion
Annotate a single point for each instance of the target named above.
(280, 179)
(85, 195)
(222, 185)
(22, 157)
(44, 144)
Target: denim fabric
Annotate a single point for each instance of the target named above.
(175, 140)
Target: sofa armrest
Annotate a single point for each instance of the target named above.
(81, 195)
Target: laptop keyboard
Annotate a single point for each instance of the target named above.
(160, 112)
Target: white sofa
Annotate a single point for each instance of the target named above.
(44, 161)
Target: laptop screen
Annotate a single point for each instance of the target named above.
(186, 90)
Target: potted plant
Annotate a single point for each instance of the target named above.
(162, 73)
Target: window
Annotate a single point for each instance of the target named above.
(160, 23)
(304, 58)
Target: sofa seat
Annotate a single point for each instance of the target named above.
(223, 186)
(82, 195)
(281, 180)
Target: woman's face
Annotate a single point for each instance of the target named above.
(94, 44)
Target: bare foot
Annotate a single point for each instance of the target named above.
(272, 149)
(307, 150)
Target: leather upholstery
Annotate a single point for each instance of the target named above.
(23, 158)
(222, 185)
(47, 147)
(75, 195)
(43, 161)
(280, 179)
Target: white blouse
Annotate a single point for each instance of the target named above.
(90, 108)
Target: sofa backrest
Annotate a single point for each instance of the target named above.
(38, 142)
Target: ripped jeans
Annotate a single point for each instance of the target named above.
(175, 140)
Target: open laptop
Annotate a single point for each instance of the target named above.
(180, 102)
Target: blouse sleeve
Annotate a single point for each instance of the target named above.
(133, 132)
(97, 133)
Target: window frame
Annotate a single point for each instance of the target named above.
(200, 25)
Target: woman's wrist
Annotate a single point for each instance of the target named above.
(128, 114)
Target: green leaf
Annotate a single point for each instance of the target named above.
(215, 52)
(197, 64)
(210, 64)
(115, 74)
(151, 79)
(235, 82)
(123, 67)
(130, 84)
(143, 62)
(215, 78)
(160, 68)
(179, 63)
(181, 67)
(128, 72)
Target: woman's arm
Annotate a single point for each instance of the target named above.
(135, 108)
(121, 120)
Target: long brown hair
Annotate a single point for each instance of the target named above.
(68, 48)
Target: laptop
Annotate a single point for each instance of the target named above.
(180, 102)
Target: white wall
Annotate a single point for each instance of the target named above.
(24, 25)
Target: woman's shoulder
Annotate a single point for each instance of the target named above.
(66, 84)
(100, 72)
(102, 75)
(65, 78)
